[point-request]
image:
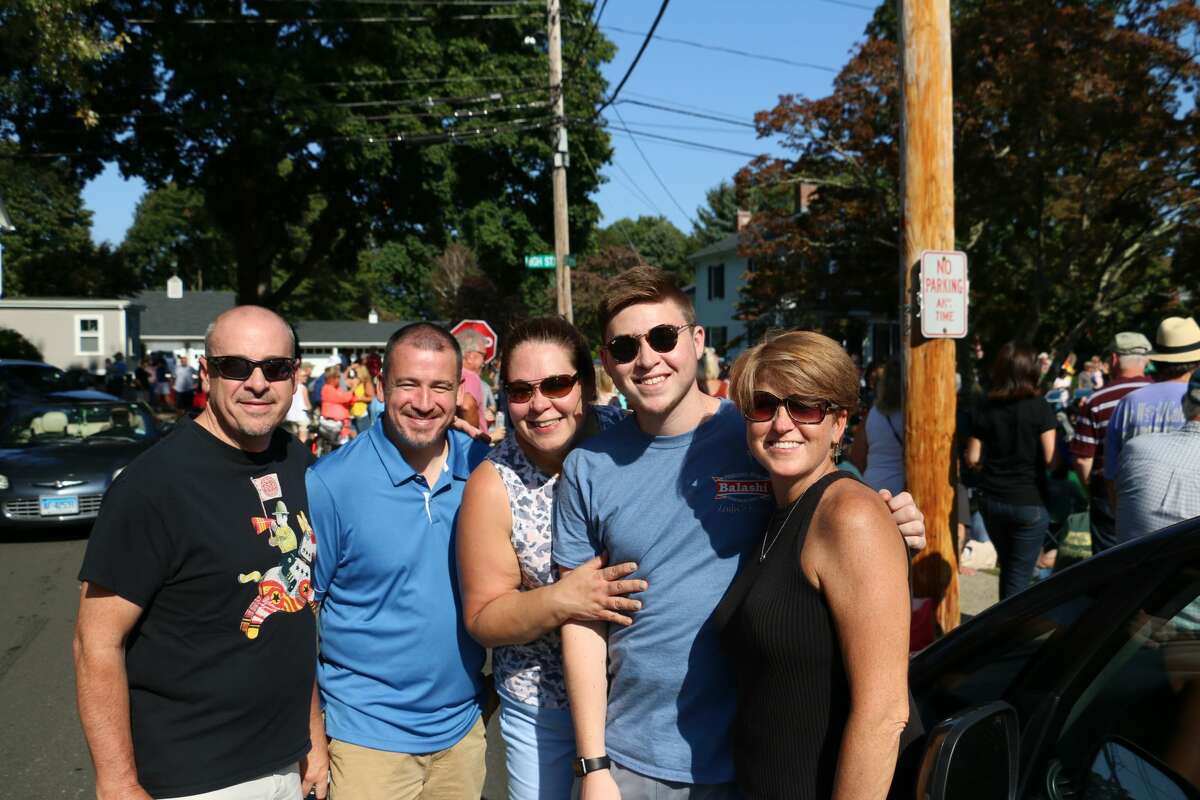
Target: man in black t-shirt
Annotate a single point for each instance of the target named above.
(195, 649)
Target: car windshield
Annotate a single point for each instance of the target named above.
(37, 378)
(75, 422)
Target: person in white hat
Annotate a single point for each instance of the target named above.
(1158, 407)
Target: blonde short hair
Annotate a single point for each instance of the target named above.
(803, 364)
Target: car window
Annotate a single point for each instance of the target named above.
(987, 671)
(1139, 715)
(67, 423)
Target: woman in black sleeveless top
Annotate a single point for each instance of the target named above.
(817, 622)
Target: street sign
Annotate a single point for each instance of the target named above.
(485, 330)
(943, 294)
(546, 261)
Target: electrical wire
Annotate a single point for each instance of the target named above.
(727, 121)
(420, 3)
(720, 49)
(684, 142)
(848, 4)
(596, 174)
(315, 20)
(645, 43)
(653, 171)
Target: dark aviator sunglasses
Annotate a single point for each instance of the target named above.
(552, 386)
(237, 368)
(764, 405)
(662, 339)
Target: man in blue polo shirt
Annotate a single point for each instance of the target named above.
(399, 675)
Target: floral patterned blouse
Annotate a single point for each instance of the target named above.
(533, 673)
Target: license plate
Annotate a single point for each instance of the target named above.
(59, 506)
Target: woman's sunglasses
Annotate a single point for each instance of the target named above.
(236, 368)
(662, 339)
(552, 386)
(763, 406)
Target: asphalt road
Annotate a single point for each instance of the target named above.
(42, 751)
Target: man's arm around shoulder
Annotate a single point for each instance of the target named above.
(102, 689)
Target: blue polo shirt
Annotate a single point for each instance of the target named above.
(397, 669)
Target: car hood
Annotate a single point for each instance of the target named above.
(83, 461)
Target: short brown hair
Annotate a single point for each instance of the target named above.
(804, 364)
(642, 284)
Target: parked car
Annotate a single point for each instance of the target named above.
(59, 454)
(1085, 686)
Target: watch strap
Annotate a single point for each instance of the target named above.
(583, 766)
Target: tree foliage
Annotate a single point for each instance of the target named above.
(172, 233)
(1075, 170)
(332, 151)
(51, 250)
(717, 218)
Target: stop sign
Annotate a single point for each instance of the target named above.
(485, 330)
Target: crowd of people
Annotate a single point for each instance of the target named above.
(1115, 439)
(658, 588)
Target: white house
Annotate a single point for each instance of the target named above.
(73, 332)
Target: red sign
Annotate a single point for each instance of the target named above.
(489, 335)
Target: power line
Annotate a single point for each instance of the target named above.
(429, 81)
(675, 126)
(684, 142)
(848, 4)
(727, 121)
(645, 43)
(678, 104)
(315, 20)
(653, 171)
(625, 233)
(720, 49)
(406, 137)
(424, 3)
(642, 193)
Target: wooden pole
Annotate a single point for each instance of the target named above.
(927, 223)
(562, 241)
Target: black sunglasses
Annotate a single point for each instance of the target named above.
(236, 368)
(662, 339)
(764, 405)
(553, 386)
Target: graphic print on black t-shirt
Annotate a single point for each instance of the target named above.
(286, 586)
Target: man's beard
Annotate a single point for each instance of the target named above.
(406, 440)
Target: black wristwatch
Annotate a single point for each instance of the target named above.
(583, 766)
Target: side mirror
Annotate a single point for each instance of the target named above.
(972, 754)
(1122, 769)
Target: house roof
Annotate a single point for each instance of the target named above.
(350, 332)
(63, 302)
(727, 245)
(187, 317)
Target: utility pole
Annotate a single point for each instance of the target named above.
(927, 223)
(562, 240)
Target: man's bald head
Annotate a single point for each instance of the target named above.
(247, 322)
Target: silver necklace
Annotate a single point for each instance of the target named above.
(766, 546)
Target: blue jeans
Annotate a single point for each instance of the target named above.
(1017, 531)
(539, 744)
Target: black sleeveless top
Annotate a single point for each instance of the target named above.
(793, 698)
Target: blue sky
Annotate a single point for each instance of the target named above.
(819, 32)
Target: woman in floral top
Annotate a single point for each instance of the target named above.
(512, 599)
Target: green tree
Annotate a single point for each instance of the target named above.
(314, 136)
(656, 241)
(51, 250)
(717, 218)
(172, 233)
(1075, 170)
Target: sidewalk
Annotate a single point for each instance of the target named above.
(977, 592)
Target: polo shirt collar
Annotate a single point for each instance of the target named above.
(400, 471)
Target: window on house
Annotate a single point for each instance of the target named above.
(716, 282)
(718, 336)
(87, 335)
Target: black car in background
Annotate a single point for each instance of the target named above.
(1085, 686)
(60, 453)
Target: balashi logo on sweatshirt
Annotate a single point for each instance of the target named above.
(742, 488)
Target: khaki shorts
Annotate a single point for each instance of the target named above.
(362, 773)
